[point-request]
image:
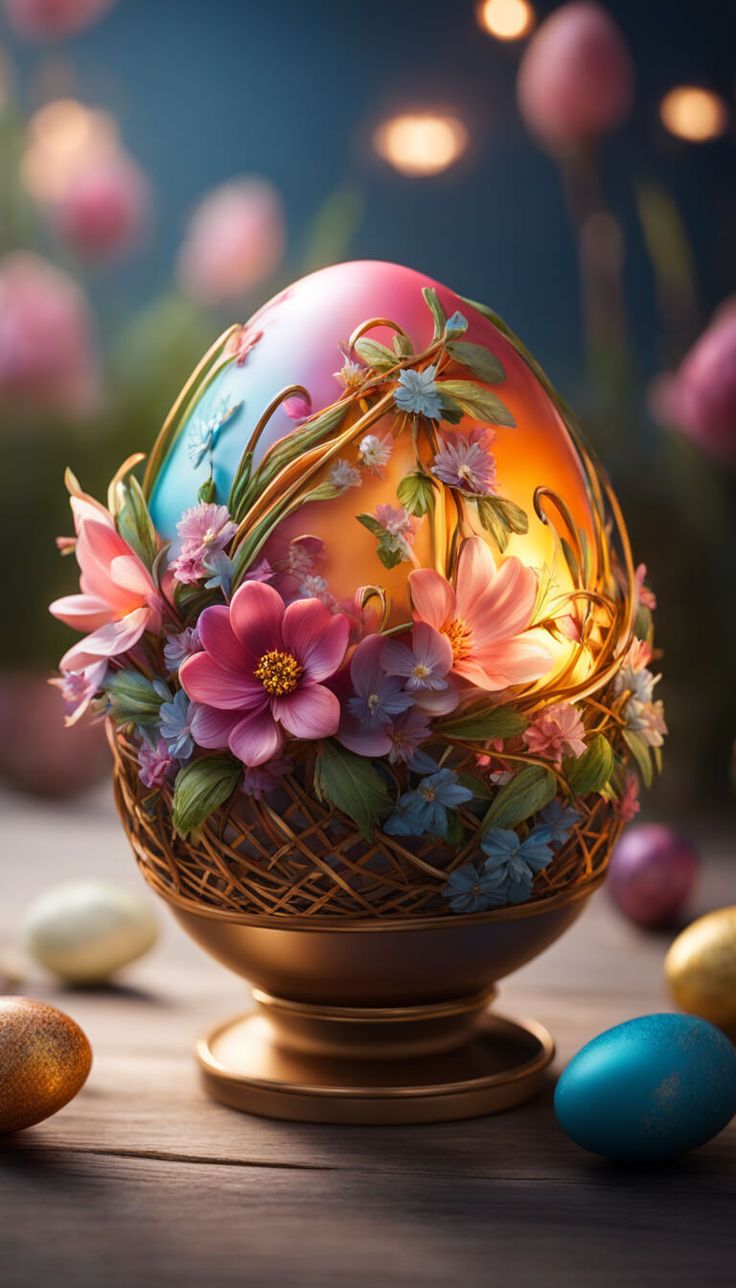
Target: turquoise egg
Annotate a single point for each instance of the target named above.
(649, 1089)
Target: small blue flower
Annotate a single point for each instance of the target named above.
(472, 891)
(203, 432)
(175, 720)
(378, 701)
(512, 863)
(425, 808)
(422, 763)
(221, 567)
(556, 822)
(418, 392)
(456, 325)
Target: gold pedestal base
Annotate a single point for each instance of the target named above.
(414, 1064)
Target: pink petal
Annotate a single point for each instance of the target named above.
(218, 638)
(256, 614)
(204, 681)
(130, 574)
(516, 661)
(317, 637)
(82, 612)
(506, 607)
(86, 509)
(432, 597)
(476, 572)
(256, 739)
(311, 711)
(108, 641)
(212, 728)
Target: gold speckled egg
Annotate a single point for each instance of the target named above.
(701, 968)
(44, 1061)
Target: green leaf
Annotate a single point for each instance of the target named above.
(644, 624)
(431, 299)
(500, 516)
(481, 791)
(591, 771)
(200, 788)
(455, 830)
(207, 492)
(416, 493)
(403, 346)
(374, 354)
(481, 723)
(476, 401)
(371, 524)
(353, 785)
(133, 699)
(134, 522)
(480, 360)
(529, 791)
(640, 751)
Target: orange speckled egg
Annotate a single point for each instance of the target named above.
(44, 1061)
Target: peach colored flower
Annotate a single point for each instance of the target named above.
(118, 599)
(485, 616)
(556, 731)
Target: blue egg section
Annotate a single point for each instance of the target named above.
(649, 1089)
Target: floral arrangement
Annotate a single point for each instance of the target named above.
(463, 740)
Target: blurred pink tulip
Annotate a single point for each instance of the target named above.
(48, 356)
(235, 239)
(103, 210)
(53, 19)
(700, 398)
(576, 78)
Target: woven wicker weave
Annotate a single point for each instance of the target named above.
(293, 856)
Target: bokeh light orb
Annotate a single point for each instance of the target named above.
(694, 113)
(299, 338)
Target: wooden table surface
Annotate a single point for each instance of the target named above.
(142, 1180)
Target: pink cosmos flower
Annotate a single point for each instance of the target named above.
(485, 616)
(204, 528)
(260, 674)
(102, 211)
(556, 731)
(645, 595)
(118, 600)
(464, 462)
(235, 239)
(48, 357)
(154, 763)
(53, 19)
(576, 78)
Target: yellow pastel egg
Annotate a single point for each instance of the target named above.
(85, 931)
(700, 968)
(44, 1061)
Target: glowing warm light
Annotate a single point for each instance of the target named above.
(506, 19)
(419, 144)
(64, 137)
(693, 113)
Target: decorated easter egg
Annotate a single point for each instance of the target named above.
(302, 338)
(700, 968)
(44, 1061)
(85, 931)
(651, 874)
(649, 1089)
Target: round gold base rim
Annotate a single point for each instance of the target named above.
(502, 1067)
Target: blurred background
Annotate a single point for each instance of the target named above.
(164, 168)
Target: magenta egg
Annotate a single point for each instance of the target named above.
(652, 874)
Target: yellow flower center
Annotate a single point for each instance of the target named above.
(458, 633)
(278, 672)
(420, 671)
